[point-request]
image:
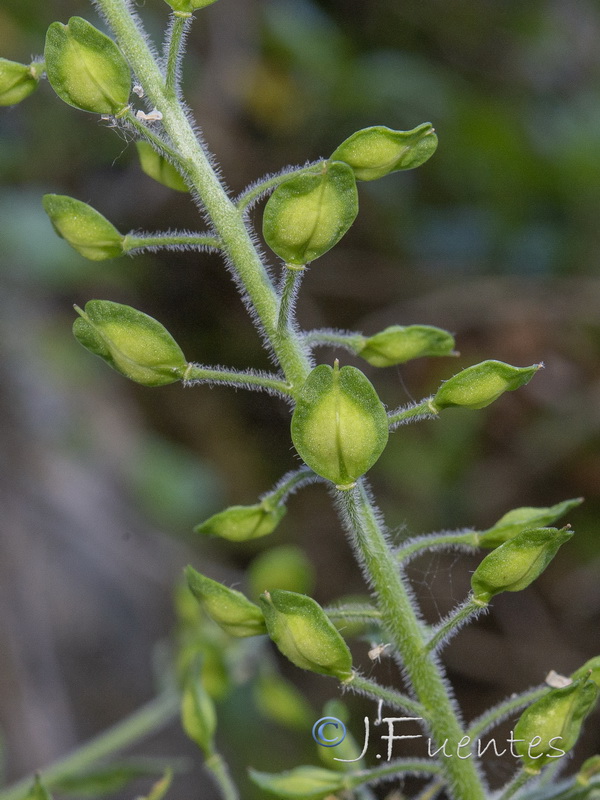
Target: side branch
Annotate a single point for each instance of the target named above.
(257, 381)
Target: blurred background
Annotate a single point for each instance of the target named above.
(495, 239)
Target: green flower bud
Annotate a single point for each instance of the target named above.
(481, 384)
(378, 151)
(158, 168)
(131, 342)
(301, 783)
(304, 634)
(227, 607)
(17, 81)
(279, 700)
(591, 670)
(198, 716)
(309, 213)
(242, 523)
(86, 69)
(339, 426)
(185, 7)
(520, 519)
(84, 228)
(398, 344)
(589, 769)
(38, 791)
(550, 727)
(285, 567)
(518, 562)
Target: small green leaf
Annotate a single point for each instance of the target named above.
(520, 519)
(481, 384)
(378, 151)
(84, 228)
(242, 523)
(518, 562)
(198, 715)
(301, 783)
(158, 168)
(86, 69)
(309, 213)
(17, 81)
(227, 607)
(304, 634)
(339, 425)
(551, 726)
(185, 7)
(131, 342)
(398, 344)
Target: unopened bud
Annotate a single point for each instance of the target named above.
(550, 727)
(518, 562)
(84, 228)
(304, 634)
(242, 523)
(339, 426)
(481, 384)
(300, 783)
(158, 168)
(398, 344)
(378, 151)
(227, 607)
(86, 69)
(131, 342)
(198, 715)
(185, 7)
(17, 81)
(309, 213)
(284, 567)
(279, 700)
(591, 670)
(521, 519)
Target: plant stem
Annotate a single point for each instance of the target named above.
(175, 41)
(155, 140)
(287, 299)
(219, 770)
(453, 622)
(291, 482)
(517, 783)
(352, 612)
(389, 696)
(432, 789)
(349, 341)
(195, 373)
(243, 258)
(405, 766)
(149, 719)
(415, 547)
(408, 636)
(495, 715)
(422, 410)
(132, 242)
(253, 193)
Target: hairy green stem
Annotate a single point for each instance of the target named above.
(405, 766)
(220, 772)
(253, 193)
(195, 373)
(495, 715)
(454, 621)
(517, 783)
(133, 242)
(421, 544)
(321, 338)
(422, 410)
(175, 43)
(289, 291)
(290, 482)
(391, 697)
(140, 724)
(352, 612)
(408, 636)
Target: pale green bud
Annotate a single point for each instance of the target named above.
(242, 523)
(309, 213)
(84, 228)
(398, 344)
(158, 168)
(131, 342)
(339, 426)
(86, 69)
(227, 607)
(481, 384)
(186, 7)
(551, 726)
(17, 81)
(280, 700)
(198, 716)
(304, 634)
(520, 519)
(378, 151)
(301, 783)
(591, 670)
(284, 567)
(518, 562)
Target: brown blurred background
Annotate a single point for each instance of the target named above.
(495, 239)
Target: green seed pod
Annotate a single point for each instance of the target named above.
(520, 519)
(339, 426)
(158, 168)
(378, 151)
(242, 523)
(185, 7)
(198, 716)
(550, 727)
(589, 769)
(518, 562)
(481, 384)
(304, 634)
(308, 214)
(131, 342)
(301, 783)
(84, 228)
(86, 69)
(279, 700)
(591, 670)
(17, 81)
(285, 567)
(398, 344)
(227, 607)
